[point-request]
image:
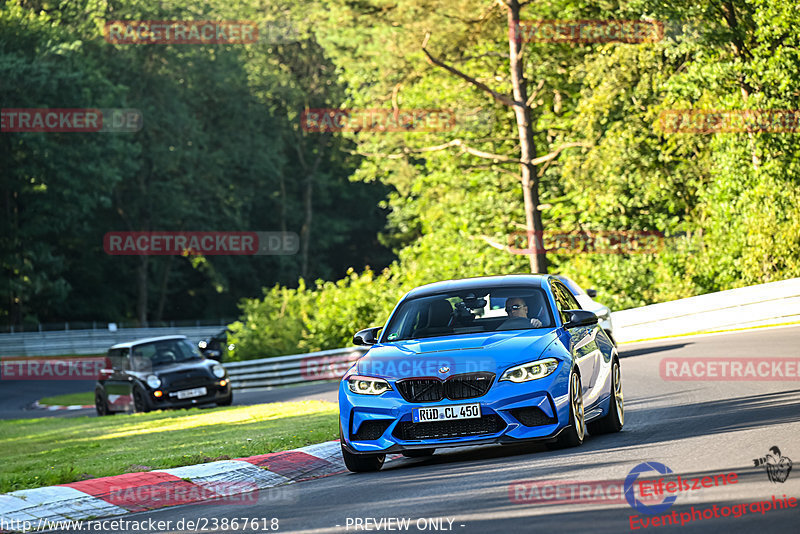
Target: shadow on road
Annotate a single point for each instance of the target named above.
(670, 423)
(651, 350)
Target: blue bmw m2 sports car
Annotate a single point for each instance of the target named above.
(500, 359)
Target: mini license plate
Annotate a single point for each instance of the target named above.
(189, 393)
(446, 413)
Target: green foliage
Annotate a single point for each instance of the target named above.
(312, 319)
(222, 149)
(218, 151)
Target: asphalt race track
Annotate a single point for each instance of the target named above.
(695, 428)
(18, 396)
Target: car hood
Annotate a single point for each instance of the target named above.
(464, 353)
(174, 368)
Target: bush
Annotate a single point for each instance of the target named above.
(291, 321)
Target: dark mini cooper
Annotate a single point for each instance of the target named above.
(157, 373)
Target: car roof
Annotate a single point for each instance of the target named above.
(129, 344)
(508, 280)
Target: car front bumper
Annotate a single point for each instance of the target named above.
(214, 393)
(510, 413)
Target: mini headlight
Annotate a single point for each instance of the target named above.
(530, 371)
(218, 370)
(153, 381)
(365, 385)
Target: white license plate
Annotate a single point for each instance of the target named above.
(189, 393)
(446, 413)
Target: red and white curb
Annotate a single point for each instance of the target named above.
(55, 407)
(222, 481)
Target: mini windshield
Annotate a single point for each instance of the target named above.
(469, 312)
(158, 353)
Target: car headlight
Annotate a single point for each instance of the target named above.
(365, 385)
(218, 370)
(530, 371)
(153, 381)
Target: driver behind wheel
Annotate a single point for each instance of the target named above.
(517, 310)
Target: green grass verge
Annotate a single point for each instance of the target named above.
(48, 451)
(69, 399)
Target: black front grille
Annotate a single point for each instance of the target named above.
(457, 387)
(186, 380)
(421, 389)
(532, 416)
(371, 430)
(488, 424)
(468, 386)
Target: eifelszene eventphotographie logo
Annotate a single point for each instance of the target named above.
(777, 466)
(630, 493)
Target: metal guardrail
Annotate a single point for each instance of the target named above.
(89, 341)
(744, 307)
(281, 370)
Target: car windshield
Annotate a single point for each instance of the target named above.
(157, 353)
(491, 309)
(573, 287)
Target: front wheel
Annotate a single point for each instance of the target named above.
(615, 418)
(140, 402)
(101, 405)
(361, 463)
(573, 435)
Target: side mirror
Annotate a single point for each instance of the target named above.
(579, 318)
(592, 293)
(368, 336)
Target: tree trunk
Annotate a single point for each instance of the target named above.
(308, 197)
(282, 183)
(141, 287)
(305, 232)
(530, 180)
(162, 296)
